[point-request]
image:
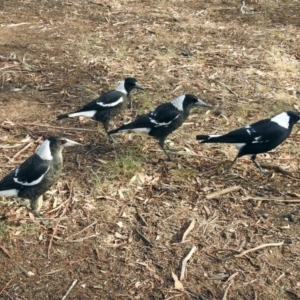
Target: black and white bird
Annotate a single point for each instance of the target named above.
(37, 173)
(258, 137)
(108, 105)
(167, 117)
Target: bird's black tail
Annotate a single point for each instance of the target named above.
(124, 127)
(202, 138)
(63, 116)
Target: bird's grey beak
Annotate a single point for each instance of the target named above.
(202, 103)
(70, 143)
(137, 86)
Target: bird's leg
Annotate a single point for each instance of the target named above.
(36, 205)
(253, 157)
(228, 169)
(161, 144)
(105, 125)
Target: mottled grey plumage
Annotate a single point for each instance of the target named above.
(38, 173)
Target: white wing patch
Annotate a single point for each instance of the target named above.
(144, 129)
(88, 114)
(120, 100)
(32, 182)
(153, 121)
(8, 193)
(213, 136)
(44, 152)
(121, 87)
(178, 102)
(282, 120)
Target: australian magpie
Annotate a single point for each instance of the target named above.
(258, 137)
(167, 117)
(37, 173)
(108, 104)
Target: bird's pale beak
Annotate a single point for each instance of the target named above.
(71, 143)
(138, 86)
(202, 103)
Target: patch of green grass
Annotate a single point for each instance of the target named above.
(184, 174)
(3, 229)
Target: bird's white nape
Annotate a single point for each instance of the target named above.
(178, 102)
(88, 114)
(121, 87)
(112, 104)
(8, 193)
(44, 151)
(282, 120)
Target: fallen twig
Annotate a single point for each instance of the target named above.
(69, 289)
(271, 199)
(21, 151)
(85, 228)
(6, 285)
(144, 238)
(57, 127)
(223, 192)
(51, 239)
(82, 239)
(184, 262)
(276, 169)
(226, 87)
(226, 291)
(189, 229)
(257, 248)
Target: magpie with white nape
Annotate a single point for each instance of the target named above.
(108, 105)
(37, 173)
(166, 118)
(258, 137)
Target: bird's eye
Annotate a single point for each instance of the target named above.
(61, 142)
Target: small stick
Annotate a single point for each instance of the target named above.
(141, 217)
(223, 192)
(275, 168)
(231, 277)
(7, 284)
(184, 262)
(274, 280)
(271, 199)
(144, 238)
(21, 151)
(51, 239)
(226, 291)
(69, 289)
(226, 87)
(57, 127)
(76, 233)
(257, 248)
(189, 229)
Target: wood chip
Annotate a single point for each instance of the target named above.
(189, 229)
(184, 262)
(223, 192)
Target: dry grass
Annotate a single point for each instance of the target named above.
(117, 217)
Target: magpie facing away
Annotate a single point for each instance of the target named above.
(37, 173)
(167, 117)
(258, 137)
(108, 104)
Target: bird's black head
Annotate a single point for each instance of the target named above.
(131, 83)
(57, 143)
(294, 117)
(191, 100)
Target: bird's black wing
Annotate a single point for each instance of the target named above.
(29, 173)
(260, 132)
(164, 115)
(108, 100)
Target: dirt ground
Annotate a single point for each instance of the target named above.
(122, 221)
